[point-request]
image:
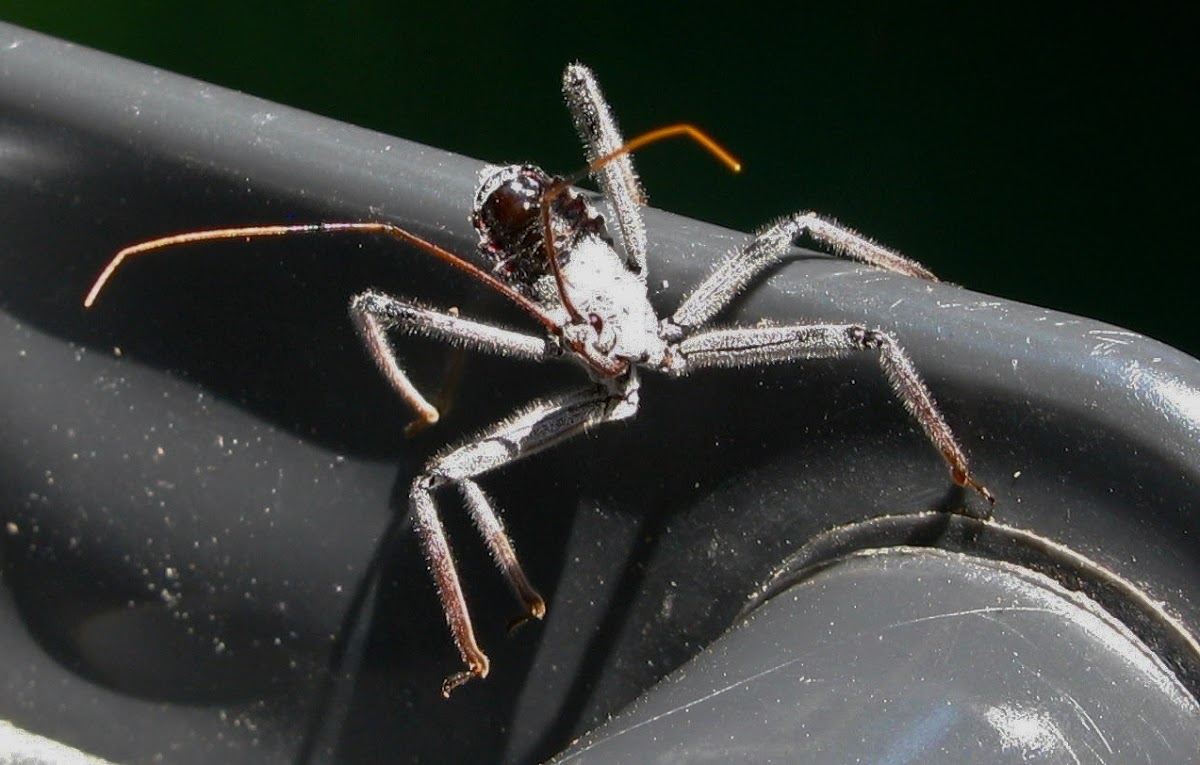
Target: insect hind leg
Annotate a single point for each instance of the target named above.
(756, 346)
(541, 426)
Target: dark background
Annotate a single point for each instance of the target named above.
(1048, 156)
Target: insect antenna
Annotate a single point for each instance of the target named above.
(682, 129)
(258, 232)
(654, 136)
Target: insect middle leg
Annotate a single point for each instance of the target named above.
(766, 345)
(768, 248)
(539, 427)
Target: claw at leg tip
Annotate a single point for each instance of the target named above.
(420, 423)
(986, 494)
(983, 491)
(537, 610)
(474, 670)
(962, 478)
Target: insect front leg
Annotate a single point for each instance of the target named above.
(768, 248)
(771, 345)
(375, 313)
(539, 427)
(617, 180)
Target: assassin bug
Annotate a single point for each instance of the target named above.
(586, 284)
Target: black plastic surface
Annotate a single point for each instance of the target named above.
(203, 478)
(936, 677)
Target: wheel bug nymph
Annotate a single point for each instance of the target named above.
(585, 282)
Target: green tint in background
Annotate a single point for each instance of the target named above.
(1049, 156)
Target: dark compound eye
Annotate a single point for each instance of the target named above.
(596, 322)
(510, 206)
(510, 216)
